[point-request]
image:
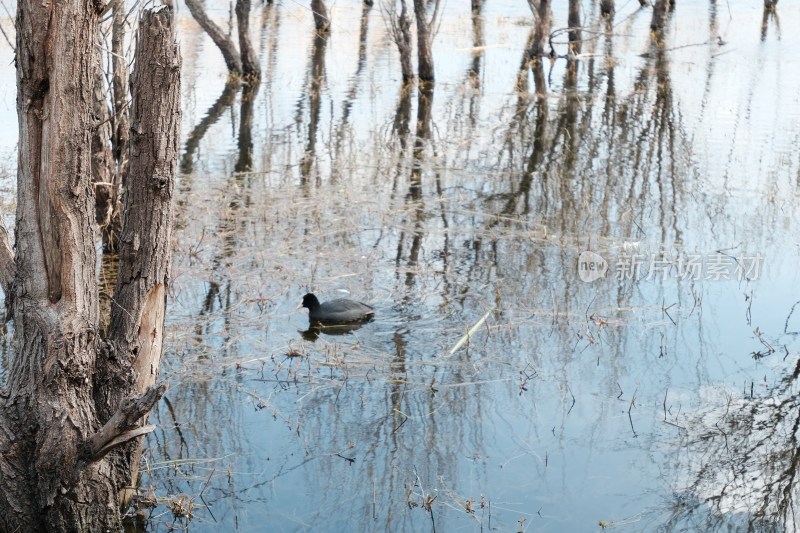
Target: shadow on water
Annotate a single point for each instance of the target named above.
(498, 387)
(315, 330)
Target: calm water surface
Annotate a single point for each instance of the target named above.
(659, 397)
(645, 400)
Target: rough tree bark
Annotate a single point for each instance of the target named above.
(133, 349)
(57, 441)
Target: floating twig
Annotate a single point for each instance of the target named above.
(470, 333)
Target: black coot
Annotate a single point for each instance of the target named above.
(340, 311)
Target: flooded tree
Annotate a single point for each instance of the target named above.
(541, 29)
(241, 61)
(660, 9)
(425, 38)
(250, 66)
(400, 27)
(400, 30)
(321, 20)
(76, 398)
(769, 14)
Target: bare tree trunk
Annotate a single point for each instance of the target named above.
(249, 59)
(133, 350)
(321, 21)
(103, 167)
(400, 28)
(120, 88)
(474, 71)
(223, 42)
(121, 124)
(135, 336)
(402, 37)
(424, 42)
(54, 438)
(111, 136)
(55, 306)
(574, 22)
(659, 14)
(541, 29)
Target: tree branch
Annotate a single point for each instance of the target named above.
(122, 426)
(223, 42)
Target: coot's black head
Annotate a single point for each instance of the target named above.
(310, 301)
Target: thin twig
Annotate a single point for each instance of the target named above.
(630, 407)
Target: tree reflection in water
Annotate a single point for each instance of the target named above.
(476, 196)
